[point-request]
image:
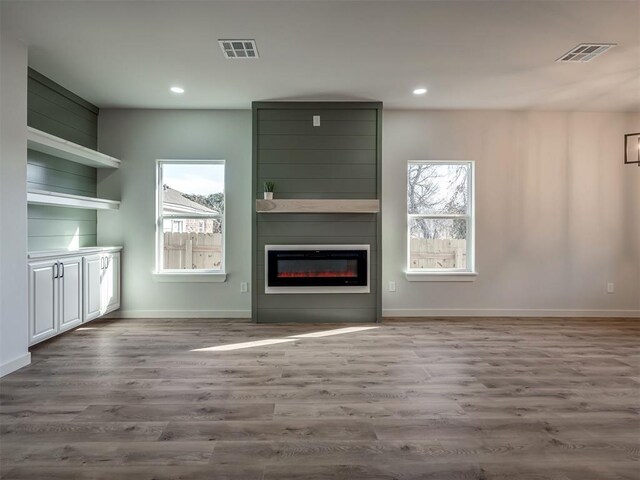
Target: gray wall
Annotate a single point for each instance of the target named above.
(558, 213)
(138, 138)
(338, 159)
(14, 331)
(55, 110)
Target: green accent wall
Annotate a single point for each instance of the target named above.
(340, 159)
(55, 110)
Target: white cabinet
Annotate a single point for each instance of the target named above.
(101, 285)
(66, 289)
(42, 300)
(70, 294)
(55, 299)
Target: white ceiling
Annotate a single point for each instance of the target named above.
(469, 54)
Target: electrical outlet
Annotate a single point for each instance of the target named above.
(392, 286)
(244, 287)
(611, 287)
(316, 120)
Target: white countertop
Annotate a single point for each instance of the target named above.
(69, 253)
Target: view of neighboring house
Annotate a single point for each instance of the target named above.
(320, 239)
(176, 203)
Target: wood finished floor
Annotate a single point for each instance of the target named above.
(435, 399)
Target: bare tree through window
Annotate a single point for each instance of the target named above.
(439, 211)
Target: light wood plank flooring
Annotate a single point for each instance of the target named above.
(434, 399)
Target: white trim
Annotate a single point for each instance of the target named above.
(486, 312)
(470, 216)
(338, 289)
(46, 197)
(426, 276)
(222, 314)
(190, 277)
(160, 216)
(58, 147)
(15, 364)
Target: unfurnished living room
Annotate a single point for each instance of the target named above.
(320, 239)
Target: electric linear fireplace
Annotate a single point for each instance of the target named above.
(316, 269)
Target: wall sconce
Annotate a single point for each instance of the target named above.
(632, 148)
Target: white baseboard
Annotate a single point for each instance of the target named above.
(179, 314)
(471, 312)
(15, 364)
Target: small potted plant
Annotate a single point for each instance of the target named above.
(268, 190)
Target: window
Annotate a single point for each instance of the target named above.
(190, 223)
(440, 217)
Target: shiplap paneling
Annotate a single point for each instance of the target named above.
(291, 111)
(316, 142)
(327, 171)
(327, 127)
(61, 242)
(55, 110)
(337, 160)
(317, 157)
(334, 186)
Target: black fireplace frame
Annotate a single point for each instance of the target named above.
(357, 284)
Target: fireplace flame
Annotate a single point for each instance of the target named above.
(318, 274)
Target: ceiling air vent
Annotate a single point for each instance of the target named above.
(585, 52)
(239, 48)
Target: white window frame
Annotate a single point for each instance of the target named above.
(189, 275)
(444, 274)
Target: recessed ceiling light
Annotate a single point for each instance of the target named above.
(420, 91)
(177, 89)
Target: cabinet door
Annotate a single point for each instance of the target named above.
(111, 283)
(92, 291)
(42, 300)
(70, 295)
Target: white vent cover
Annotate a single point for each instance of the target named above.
(235, 49)
(585, 52)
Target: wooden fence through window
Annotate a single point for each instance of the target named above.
(192, 251)
(438, 253)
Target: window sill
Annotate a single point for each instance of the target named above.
(205, 277)
(441, 277)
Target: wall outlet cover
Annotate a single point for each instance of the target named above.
(392, 286)
(244, 287)
(611, 287)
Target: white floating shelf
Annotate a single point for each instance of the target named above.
(52, 145)
(45, 197)
(318, 206)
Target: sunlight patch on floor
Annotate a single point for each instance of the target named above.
(275, 341)
(328, 333)
(238, 346)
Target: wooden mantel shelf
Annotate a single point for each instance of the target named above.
(317, 206)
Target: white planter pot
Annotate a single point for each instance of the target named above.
(268, 195)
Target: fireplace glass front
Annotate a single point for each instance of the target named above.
(289, 268)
